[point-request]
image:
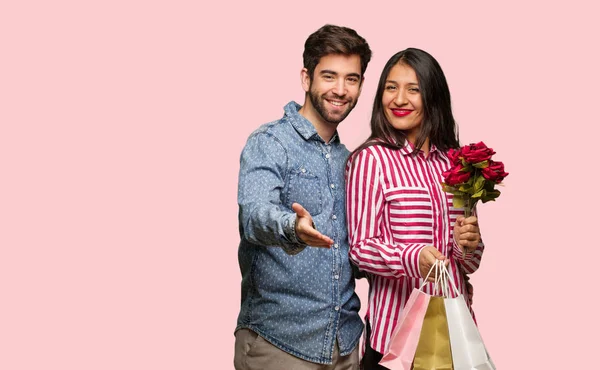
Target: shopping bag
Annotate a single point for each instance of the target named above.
(468, 350)
(405, 337)
(433, 350)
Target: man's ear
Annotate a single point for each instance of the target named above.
(362, 80)
(305, 79)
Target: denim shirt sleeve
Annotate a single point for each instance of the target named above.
(264, 218)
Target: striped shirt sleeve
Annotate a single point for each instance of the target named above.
(371, 248)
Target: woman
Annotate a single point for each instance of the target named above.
(399, 218)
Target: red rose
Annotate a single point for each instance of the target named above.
(494, 172)
(455, 176)
(475, 153)
(454, 156)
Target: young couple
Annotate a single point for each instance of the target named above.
(312, 214)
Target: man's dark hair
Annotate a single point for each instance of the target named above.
(331, 39)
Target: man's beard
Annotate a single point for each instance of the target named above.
(318, 103)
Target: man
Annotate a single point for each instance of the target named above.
(299, 309)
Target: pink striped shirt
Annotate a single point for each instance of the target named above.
(395, 208)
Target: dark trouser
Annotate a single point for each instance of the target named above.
(371, 358)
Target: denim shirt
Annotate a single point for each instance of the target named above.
(299, 298)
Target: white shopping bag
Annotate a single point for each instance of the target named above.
(468, 350)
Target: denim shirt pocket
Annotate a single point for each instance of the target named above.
(305, 189)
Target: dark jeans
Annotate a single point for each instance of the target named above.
(371, 358)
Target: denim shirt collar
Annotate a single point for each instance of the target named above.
(304, 127)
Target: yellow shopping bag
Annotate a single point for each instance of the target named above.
(433, 350)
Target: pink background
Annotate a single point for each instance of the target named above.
(121, 128)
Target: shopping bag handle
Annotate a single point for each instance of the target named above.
(448, 281)
(443, 280)
(433, 267)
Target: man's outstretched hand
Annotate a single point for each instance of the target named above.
(305, 229)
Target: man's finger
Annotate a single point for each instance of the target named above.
(315, 235)
(317, 242)
(300, 211)
(320, 244)
(311, 232)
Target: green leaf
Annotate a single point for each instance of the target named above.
(490, 195)
(446, 187)
(482, 164)
(466, 168)
(479, 194)
(489, 185)
(495, 193)
(479, 183)
(458, 202)
(466, 188)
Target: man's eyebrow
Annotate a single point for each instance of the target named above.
(327, 71)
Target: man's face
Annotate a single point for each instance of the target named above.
(335, 86)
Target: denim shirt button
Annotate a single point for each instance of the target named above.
(336, 276)
(337, 308)
(336, 246)
(334, 217)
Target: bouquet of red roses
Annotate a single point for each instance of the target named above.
(473, 176)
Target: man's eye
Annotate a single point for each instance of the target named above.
(353, 80)
(328, 77)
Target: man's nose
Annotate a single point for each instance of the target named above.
(340, 87)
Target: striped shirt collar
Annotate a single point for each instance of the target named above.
(409, 148)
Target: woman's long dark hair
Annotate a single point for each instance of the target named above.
(438, 122)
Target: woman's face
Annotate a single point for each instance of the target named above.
(402, 101)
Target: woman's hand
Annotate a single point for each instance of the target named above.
(466, 233)
(427, 259)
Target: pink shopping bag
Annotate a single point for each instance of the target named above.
(405, 337)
